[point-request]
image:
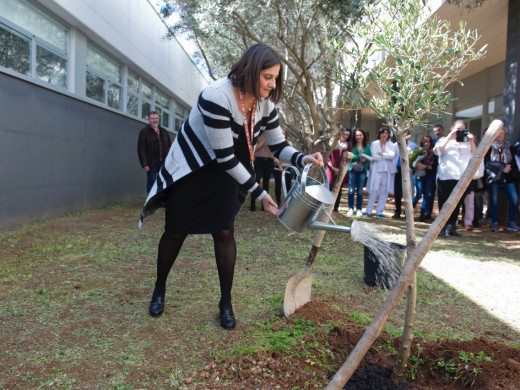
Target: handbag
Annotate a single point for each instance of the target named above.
(494, 172)
(358, 167)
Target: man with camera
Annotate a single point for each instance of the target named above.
(454, 151)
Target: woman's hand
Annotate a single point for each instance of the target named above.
(269, 204)
(315, 158)
(507, 169)
(278, 163)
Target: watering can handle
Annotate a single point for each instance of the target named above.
(296, 172)
(306, 171)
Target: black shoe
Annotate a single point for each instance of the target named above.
(253, 209)
(422, 218)
(156, 305)
(450, 230)
(443, 234)
(227, 319)
(396, 215)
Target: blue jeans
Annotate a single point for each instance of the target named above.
(151, 176)
(512, 194)
(356, 181)
(424, 186)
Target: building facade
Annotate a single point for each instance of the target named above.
(77, 80)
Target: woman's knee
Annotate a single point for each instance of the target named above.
(224, 236)
(173, 237)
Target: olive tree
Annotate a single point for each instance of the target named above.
(403, 60)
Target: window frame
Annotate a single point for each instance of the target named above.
(34, 43)
(107, 80)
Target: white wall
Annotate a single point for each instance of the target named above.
(118, 27)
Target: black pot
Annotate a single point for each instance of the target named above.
(384, 274)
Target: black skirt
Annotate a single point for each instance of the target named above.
(205, 201)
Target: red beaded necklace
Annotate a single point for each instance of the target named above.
(250, 132)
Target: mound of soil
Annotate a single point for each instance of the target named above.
(481, 364)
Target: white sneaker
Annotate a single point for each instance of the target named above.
(359, 213)
(350, 213)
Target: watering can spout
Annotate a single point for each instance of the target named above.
(327, 226)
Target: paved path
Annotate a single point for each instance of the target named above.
(494, 285)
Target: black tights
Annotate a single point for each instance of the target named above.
(225, 255)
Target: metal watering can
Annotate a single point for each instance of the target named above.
(304, 202)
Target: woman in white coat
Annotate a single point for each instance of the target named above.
(382, 170)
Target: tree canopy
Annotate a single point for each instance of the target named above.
(223, 29)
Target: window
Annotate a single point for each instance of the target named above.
(132, 94)
(181, 114)
(15, 53)
(495, 105)
(470, 112)
(143, 97)
(495, 108)
(51, 67)
(162, 104)
(146, 99)
(33, 44)
(103, 78)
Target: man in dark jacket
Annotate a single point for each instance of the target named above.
(152, 147)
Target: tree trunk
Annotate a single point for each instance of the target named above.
(347, 369)
(411, 244)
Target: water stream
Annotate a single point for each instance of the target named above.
(383, 259)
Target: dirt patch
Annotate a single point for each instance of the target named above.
(481, 364)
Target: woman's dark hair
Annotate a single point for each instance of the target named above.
(344, 130)
(364, 137)
(426, 137)
(245, 74)
(381, 131)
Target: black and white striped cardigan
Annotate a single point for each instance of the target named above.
(210, 133)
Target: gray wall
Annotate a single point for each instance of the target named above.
(59, 154)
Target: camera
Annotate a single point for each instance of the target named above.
(462, 135)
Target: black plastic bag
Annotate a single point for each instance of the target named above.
(494, 172)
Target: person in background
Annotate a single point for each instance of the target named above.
(425, 171)
(208, 171)
(469, 203)
(438, 132)
(501, 151)
(152, 147)
(454, 154)
(264, 167)
(382, 171)
(334, 162)
(279, 167)
(358, 169)
(398, 184)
